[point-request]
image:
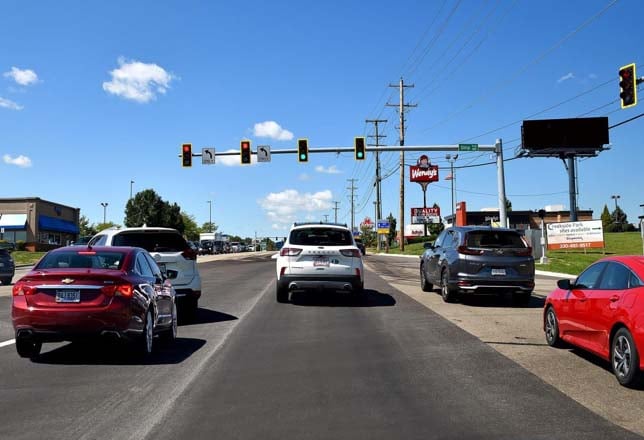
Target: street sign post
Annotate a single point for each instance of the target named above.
(207, 156)
(263, 153)
(468, 147)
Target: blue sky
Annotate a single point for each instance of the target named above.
(93, 95)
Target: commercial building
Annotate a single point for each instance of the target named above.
(40, 224)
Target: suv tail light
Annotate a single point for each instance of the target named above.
(469, 251)
(351, 253)
(290, 252)
(22, 289)
(189, 254)
(125, 290)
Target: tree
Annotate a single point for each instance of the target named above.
(191, 230)
(208, 227)
(606, 218)
(85, 228)
(368, 235)
(508, 205)
(101, 226)
(391, 236)
(148, 208)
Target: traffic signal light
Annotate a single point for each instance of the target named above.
(303, 150)
(186, 155)
(244, 151)
(628, 85)
(359, 148)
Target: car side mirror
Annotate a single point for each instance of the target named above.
(564, 284)
(428, 245)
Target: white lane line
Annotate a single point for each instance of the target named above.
(9, 342)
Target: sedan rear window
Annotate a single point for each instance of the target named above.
(321, 237)
(494, 239)
(85, 260)
(152, 241)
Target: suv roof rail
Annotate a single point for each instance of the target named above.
(319, 223)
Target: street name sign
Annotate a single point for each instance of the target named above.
(468, 147)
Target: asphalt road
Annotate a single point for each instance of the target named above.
(322, 367)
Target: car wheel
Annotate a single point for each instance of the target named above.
(551, 328)
(28, 348)
(448, 294)
(170, 336)
(424, 284)
(147, 338)
(624, 358)
(281, 294)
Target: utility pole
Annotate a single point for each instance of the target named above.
(378, 202)
(326, 218)
(401, 111)
(352, 188)
(336, 210)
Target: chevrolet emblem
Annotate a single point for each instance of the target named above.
(67, 281)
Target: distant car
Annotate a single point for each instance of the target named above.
(319, 256)
(218, 247)
(602, 311)
(360, 245)
(7, 267)
(175, 258)
(206, 247)
(75, 293)
(235, 246)
(470, 260)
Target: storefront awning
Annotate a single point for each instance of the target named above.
(46, 223)
(11, 222)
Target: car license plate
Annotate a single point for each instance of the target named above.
(1, 264)
(161, 267)
(321, 262)
(498, 271)
(68, 296)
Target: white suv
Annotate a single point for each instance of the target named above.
(316, 256)
(174, 256)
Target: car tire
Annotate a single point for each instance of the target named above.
(551, 328)
(448, 294)
(169, 336)
(146, 340)
(28, 347)
(281, 294)
(6, 281)
(425, 285)
(624, 358)
(359, 289)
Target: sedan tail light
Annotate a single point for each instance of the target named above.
(469, 251)
(290, 252)
(125, 290)
(189, 254)
(351, 253)
(22, 289)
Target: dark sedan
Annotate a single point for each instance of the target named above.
(80, 292)
(7, 267)
(467, 260)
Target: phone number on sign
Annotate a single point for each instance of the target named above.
(576, 245)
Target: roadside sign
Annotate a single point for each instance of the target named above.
(263, 153)
(575, 235)
(425, 215)
(468, 147)
(207, 156)
(383, 226)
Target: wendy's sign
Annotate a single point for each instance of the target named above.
(423, 174)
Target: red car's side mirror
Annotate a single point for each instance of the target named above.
(564, 284)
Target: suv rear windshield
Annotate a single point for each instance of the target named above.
(74, 260)
(321, 237)
(494, 239)
(152, 241)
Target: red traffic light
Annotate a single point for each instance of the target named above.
(245, 145)
(186, 155)
(628, 86)
(245, 153)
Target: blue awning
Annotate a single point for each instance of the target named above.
(47, 223)
(12, 222)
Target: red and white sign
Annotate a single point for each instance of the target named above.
(425, 215)
(423, 174)
(575, 235)
(367, 223)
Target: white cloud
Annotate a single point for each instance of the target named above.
(20, 161)
(24, 77)
(566, 77)
(138, 81)
(331, 170)
(10, 104)
(285, 207)
(272, 130)
(234, 160)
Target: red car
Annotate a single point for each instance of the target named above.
(602, 311)
(78, 292)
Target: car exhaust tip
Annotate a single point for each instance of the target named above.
(111, 334)
(347, 286)
(292, 286)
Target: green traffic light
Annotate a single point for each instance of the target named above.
(302, 156)
(360, 155)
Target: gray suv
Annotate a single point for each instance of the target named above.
(7, 267)
(467, 260)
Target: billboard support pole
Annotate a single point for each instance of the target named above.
(503, 217)
(572, 188)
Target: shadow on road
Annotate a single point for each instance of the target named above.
(370, 298)
(205, 316)
(601, 363)
(102, 352)
(536, 302)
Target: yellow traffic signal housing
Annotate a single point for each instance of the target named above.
(359, 147)
(628, 86)
(302, 150)
(186, 155)
(245, 152)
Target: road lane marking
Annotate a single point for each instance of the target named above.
(9, 342)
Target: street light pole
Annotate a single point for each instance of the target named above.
(104, 205)
(615, 197)
(131, 183)
(451, 160)
(210, 214)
